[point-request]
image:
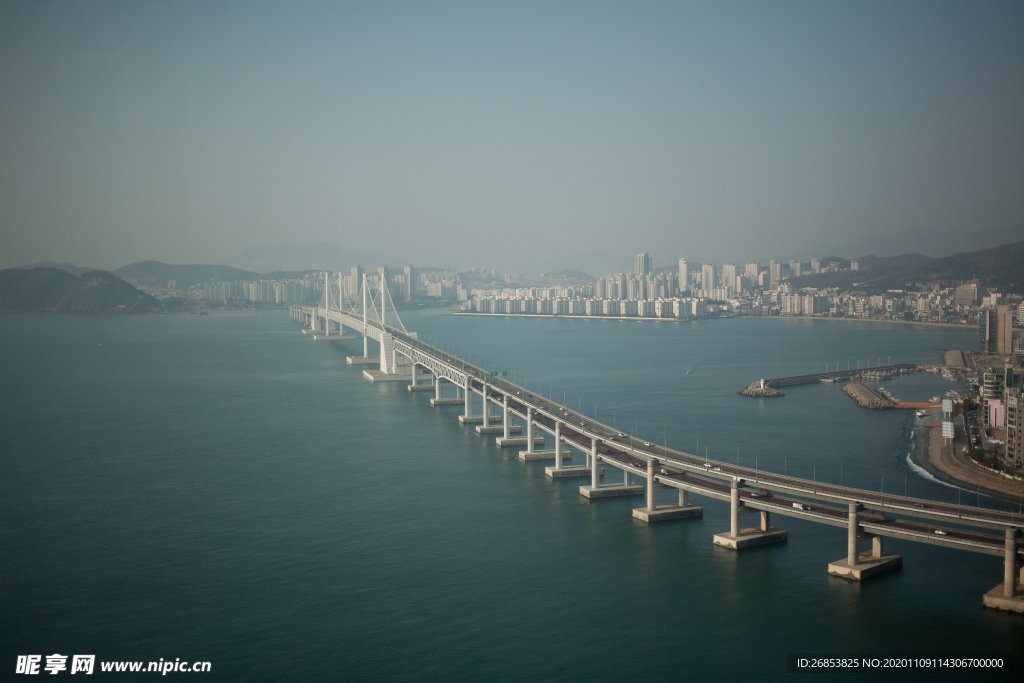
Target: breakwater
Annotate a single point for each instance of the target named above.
(868, 398)
(758, 388)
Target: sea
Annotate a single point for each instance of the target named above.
(223, 489)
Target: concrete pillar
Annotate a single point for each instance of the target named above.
(558, 445)
(876, 546)
(594, 479)
(437, 388)
(650, 485)
(1010, 563)
(487, 409)
(851, 535)
(734, 508)
(529, 430)
(467, 393)
(413, 366)
(766, 520)
(682, 498)
(504, 416)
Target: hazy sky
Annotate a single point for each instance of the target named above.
(508, 133)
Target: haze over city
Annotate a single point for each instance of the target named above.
(524, 136)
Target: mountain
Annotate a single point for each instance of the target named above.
(302, 257)
(1000, 268)
(67, 267)
(50, 289)
(566, 278)
(157, 274)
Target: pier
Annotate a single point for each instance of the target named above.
(499, 408)
(763, 387)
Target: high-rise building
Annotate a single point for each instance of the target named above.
(684, 276)
(707, 277)
(751, 270)
(1015, 427)
(1004, 329)
(987, 330)
(775, 272)
(642, 264)
(967, 294)
(408, 283)
(356, 282)
(729, 276)
(992, 384)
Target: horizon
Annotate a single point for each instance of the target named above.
(656, 266)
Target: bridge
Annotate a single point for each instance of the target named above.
(646, 466)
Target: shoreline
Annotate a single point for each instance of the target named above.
(943, 458)
(567, 316)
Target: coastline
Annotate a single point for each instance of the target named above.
(637, 318)
(942, 457)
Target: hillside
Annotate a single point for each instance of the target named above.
(1000, 268)
(49, 289)
(157, 274)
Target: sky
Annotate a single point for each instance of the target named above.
(515, 135)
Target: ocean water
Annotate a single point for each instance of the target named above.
(221, 488)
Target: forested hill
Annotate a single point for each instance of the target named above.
(53, 290)
(1000, 268)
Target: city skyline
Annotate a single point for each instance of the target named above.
(566, 132)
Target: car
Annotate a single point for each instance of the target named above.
(752, 494)
(940, 532)
(707, 465)
(621, 434)
(647, 444)
(716, 469)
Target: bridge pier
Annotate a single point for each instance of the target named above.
(327, 334)
(414, 385)
(467, 416)
(439, 401)
(653, 513)
(560, 470)
(595, 490)
(737, 538)
(859, 566)
(508, 428)
(504, 427)
(1009, 595)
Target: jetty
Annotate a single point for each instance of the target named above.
(868, 398)
(759, 388)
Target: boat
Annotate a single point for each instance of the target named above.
(921, 413)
